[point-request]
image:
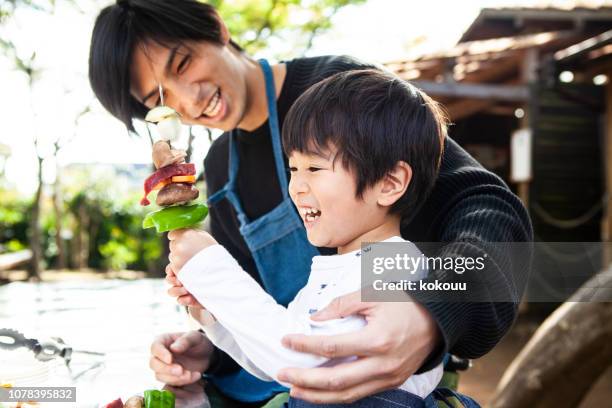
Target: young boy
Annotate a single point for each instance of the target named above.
(364, 149)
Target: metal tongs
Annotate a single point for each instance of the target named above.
(43, 350)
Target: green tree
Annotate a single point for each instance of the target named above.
(253, 23)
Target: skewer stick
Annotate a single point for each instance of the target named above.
(161, 94)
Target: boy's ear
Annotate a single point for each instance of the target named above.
(394, 184)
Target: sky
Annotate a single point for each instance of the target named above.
(377, 31)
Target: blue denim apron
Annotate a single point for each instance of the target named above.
(278, 243)
(440, 397)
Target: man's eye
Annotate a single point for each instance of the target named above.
(183, 64)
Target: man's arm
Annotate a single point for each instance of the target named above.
(470, 211)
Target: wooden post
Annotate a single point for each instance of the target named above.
(529, 77)
(606, 230)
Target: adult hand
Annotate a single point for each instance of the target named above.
(180, 358)
(397, 339)
(185, 243)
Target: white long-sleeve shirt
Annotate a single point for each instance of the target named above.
(250, 324)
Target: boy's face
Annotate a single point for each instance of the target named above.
(324, 193)
(202, 81)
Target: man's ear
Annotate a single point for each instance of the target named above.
(225, 34)
(395, 183)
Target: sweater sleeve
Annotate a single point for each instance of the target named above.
(474, 214)
(251, 316)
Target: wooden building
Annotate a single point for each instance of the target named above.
(541, 76)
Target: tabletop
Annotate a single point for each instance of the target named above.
(118, 318)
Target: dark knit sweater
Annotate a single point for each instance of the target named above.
(467, 203)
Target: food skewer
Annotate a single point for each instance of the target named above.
(174, 179)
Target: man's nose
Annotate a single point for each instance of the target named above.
(188, 100)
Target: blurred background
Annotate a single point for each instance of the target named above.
(526, 84)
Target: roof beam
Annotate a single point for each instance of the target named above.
(467, 107)
(592, 14)
(512, 93)
(577, 50)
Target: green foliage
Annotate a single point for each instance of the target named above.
(112, 221)
(253, 23)
(123, 243)
(13, 221)
(15, 245)
(104, 219)
(101, 222)
(118, 254)
(8, 7)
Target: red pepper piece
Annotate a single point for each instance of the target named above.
(115, 404)
(183, 169)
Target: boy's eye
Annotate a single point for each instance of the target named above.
(292, 169)
(313, 169)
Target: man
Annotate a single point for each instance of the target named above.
(184, 48)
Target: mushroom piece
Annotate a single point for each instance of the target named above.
(134, 402)
(168, 122)
(164, 155)
(160, 112)
(175, 193)
(169, 128)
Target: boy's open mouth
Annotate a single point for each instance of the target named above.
(310, 214)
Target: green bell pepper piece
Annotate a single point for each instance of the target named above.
(152, 398)
(167, 399)
(171, 218)
(159, 399)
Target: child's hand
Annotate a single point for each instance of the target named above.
(185, 243)
(184, 298)
(178, 291)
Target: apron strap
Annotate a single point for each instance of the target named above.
(274, 129)
(229, 189)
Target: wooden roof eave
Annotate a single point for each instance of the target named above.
(518, 17)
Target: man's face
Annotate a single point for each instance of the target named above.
(202, 81)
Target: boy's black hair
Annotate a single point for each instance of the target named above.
(374, 120)
(119, 28)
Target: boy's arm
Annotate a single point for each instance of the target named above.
(223, 339)
(251, 316)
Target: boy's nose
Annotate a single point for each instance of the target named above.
(297, 185)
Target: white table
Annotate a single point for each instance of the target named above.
(115, 317)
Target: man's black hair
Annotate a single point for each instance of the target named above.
(374, 120)
(119, 28)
